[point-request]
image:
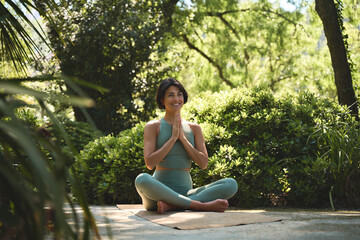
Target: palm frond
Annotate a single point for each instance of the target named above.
(17, 45)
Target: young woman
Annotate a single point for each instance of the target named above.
(170, 146)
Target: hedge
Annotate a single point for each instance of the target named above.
(291, 150)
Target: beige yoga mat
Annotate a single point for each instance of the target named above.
(187, 220)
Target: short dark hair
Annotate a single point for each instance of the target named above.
(164, 85)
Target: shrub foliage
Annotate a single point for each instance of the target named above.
(110, 164)
(80, 134)
(284, 150)
(274, 146)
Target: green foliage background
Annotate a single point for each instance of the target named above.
(255, 43)
(276, 147)
(109, 165)
(293, 150)
(114, 44)
(127, 47)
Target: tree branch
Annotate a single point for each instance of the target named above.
(279, 79)
(229, 26)
(221, 14)
(211, 61)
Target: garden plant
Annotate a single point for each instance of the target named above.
(288, 150)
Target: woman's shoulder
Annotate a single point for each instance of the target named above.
(194, 126)
(153, 123)
(152, 127)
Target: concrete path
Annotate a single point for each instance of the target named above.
(122, 224)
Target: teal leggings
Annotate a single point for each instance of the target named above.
(152, 190)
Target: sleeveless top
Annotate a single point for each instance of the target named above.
(171, 170)
(177, 158)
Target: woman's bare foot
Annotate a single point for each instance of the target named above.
(165, 207)
(218, 205)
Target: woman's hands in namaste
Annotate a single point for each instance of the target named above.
(177, 131)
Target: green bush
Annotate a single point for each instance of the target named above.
(276, 148)
(270, 146)
(110, 164)
(339, 150)
(35, 178)
(80, 134)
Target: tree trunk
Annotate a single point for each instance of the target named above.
(327, 12)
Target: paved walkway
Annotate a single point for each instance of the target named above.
(122, 224)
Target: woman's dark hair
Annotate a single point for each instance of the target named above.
(164, 85)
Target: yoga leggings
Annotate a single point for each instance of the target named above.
(152, 190)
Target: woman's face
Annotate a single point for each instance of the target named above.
(173, 99)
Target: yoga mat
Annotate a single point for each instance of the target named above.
(189, 220)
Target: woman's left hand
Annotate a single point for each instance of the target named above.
(181, 133)
(181, 130)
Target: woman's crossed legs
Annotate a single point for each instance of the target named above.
(211, 197)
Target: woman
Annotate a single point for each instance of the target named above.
(170, 145)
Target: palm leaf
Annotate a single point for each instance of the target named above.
(12, 88)
(24, 166)
(34, 171)
(17, 45)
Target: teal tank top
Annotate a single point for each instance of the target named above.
(176, 160)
